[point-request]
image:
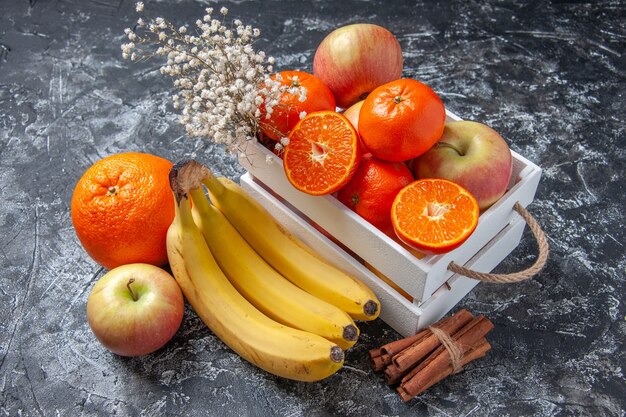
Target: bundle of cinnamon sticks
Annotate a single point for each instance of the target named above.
(417, 362)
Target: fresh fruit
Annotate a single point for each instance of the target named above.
(122, 208)
(278, 349)
(474, 156)
(288, 255)
(401, 120)
(434, 215)
(352, 114)
(262, 285)
(373, 187)
(353, 60)
(323, 153)
(135, 309)
(286, 114)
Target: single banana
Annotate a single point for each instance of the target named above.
(278, 349)
(287, 254)
(262, 285)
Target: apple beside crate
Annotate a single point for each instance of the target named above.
(430, 289)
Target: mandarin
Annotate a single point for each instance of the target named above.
(401, 120)
(122, 207)
(286, 114)
(372, 189)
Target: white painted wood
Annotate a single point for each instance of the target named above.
(399, 313)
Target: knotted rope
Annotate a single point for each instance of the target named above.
(542, 257)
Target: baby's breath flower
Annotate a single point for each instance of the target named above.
(222, 82)
(139, 7)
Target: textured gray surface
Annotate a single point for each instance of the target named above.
(549, 76)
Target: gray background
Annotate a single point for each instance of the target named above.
(548, 75)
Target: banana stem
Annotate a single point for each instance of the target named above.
(183, 212)
(187, 175)
(213, 184)
(200, 201)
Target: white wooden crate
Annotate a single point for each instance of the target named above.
(420, 278)
(404, 316)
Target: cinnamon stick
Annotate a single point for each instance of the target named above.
(417, 351)
(438, 361)
(396, 347)
(381, 357)
(409, 357)
(379, 363)
(474, 353)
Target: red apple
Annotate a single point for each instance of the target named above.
(474, 156)
(355, 59)
(135, 309)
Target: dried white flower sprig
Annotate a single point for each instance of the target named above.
(224, 86)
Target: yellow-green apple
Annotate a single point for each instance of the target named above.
(135, 309)
(352, 114)
(355, 59)
(472, 155)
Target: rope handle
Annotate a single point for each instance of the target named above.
(542, 257)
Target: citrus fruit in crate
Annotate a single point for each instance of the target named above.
(434, 215)
(286, 113)
(372, 189)
(401, 120)
(322, 154)
(122, 207)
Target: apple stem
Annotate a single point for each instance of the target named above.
(132, 293)
(447, 145)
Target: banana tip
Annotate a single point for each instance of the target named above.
(336, 354)
(370, 308)
(350, 333)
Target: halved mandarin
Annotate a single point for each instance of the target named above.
(322, 154)
(434, 215)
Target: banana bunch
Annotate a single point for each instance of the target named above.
(262, 292)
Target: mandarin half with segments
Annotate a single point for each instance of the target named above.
(434, 215)
(323, 153)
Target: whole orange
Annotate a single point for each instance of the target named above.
(286, 114)
(373, 187)
(122, 207)
(401, 120)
